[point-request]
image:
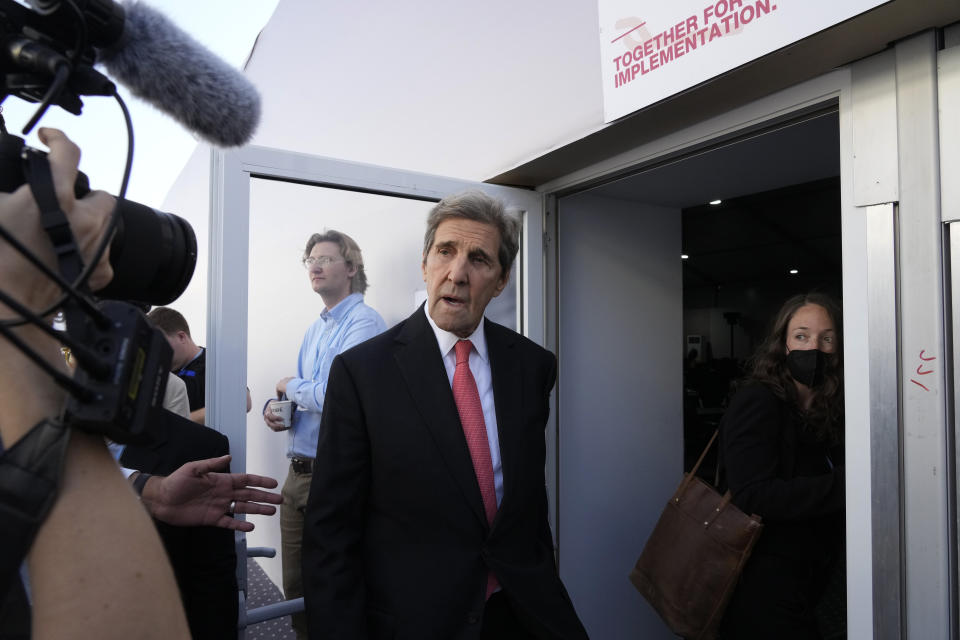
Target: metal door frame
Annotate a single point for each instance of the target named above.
(948, 99)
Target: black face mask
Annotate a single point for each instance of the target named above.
(807, 366)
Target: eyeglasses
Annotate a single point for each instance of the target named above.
(322, 261)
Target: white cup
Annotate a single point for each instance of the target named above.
(284, 409)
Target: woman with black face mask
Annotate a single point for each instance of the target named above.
(781, 452)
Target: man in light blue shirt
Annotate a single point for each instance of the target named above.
(335, 266)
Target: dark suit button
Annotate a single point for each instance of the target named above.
(472, 619)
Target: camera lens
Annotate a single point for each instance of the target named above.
(153, 255)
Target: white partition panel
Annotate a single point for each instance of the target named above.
(620, 413)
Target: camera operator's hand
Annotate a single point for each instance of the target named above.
(88, 216)
(20, 216)
(200, 494)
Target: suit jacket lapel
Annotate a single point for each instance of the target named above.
(418, 357)
(506, 371)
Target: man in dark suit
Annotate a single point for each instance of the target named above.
(203, 558)
(427, 516)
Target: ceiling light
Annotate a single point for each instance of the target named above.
(794, 272)
(715, 202)
(684, 256)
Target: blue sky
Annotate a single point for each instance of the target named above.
(161, 146)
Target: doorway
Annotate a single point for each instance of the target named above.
(742, 257)
(626, 302)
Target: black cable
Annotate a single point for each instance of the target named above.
(91, 310)
(82, 32)
(53, 91)
(115, 216)
(129, 164)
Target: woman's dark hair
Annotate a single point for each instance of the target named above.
(768, 366)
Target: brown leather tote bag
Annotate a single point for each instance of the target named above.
(691, 563)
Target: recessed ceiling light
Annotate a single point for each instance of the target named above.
(715, 202)
(794, 272)
(684, 256)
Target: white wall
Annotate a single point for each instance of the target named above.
(190, 199)
(620, 393)
(457, 89)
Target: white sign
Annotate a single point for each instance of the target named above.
(652, 50)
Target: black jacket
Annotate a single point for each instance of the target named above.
(204, 559)
(396, 543)
(778, 470)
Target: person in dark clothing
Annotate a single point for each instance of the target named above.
(781, 446)
(189, 362)
(203, 558)
(194, 375)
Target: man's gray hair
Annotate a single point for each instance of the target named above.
(349, 250)
(478, 206)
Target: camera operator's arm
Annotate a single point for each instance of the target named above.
(198, 494)
(97, 568)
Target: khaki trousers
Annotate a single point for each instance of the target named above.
(295, 492)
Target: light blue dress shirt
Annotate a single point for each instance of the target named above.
(348, 324)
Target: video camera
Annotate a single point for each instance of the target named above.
(47, 52)
(47, 55)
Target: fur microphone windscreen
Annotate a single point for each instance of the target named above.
(169, 69)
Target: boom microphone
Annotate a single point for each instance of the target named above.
(161, 64)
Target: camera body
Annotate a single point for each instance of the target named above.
(138, 356)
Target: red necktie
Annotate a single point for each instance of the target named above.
(467, 397)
